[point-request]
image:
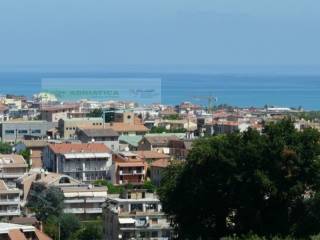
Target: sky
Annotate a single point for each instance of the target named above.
(157, 32)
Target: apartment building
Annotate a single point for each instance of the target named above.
(53, 113)
(106, 136)
(68, 127)
(82, 161)
(12, 167)
(9, 201)
(4, 113)
(15, 131)
(128, 168)
(9, 231)
(156, 143)
(82, 199)
(136, 214)
(156, 170)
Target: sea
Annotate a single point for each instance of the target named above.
(243, 90)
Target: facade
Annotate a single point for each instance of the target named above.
(128, 168)
(9, 231)
(156, 170)
(80, 198)
(225, 127)
(15, 131)
(53, 113)
(179, 149)
(68, 127)
(82, 161)
(9, 201)
(156, 143)
(130, 129)
(4, 113)
(12, 167)
(136, 215)
(106, 136)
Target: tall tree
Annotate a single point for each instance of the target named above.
(45, 202)
(244, 182)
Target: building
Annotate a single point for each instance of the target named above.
(4, 113)
(9, 201)
(53, 113)
(130, 143)
(156, 143)
(82, 161)
(9, 231)
(136, 214)
(12, 167)
(128, 168)
(156, 170)
(151, 156)
(179, 149)
(36, 148)
(68, 127)
(225, 127)
(128, 128)
(15, 131)
(105, 135)
(84, 200)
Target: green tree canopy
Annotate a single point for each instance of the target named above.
(45, 202)
(246, 182)
(95, 113)
(5, 148)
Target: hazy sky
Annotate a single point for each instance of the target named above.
(98, 32)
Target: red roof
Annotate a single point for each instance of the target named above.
(79, 148)
(161, 163)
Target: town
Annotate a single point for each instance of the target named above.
(106, 159)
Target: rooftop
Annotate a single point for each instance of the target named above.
(103, 132)
(65, 148)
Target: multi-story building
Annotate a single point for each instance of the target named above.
(156, 143)
(82, 199)
(136, 214)
(156, 170)
(15, 131)
(82, 161)
(53, 113)
(105, 135)
(4, 113)
(9, 231)
(9, 201)
(12, 167)
(128, 168)
(68, 127)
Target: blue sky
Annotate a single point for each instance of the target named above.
(104, 32)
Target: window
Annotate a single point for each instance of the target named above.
(22, 131)
(154, 220)
(36, 131)
(9, 132)
(154, 234)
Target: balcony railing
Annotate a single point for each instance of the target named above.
(133, 172)
(9, 200)
(74, 210)
(93, 210)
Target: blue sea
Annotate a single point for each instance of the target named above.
(243, 90)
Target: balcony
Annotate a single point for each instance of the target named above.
(93, 210)
(10, 212)
(74, 210)
(74, 201)
(133, 172)
(9, 201)
(96, 200)
(11, 175)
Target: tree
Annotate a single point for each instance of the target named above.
(69, 224)
(45, 202)
(27, 156)
(5, 148)
(90, 231)
(95, 113)
(245, 182)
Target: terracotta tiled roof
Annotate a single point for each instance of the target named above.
(12, 160)
(16, 234)
(79, 147)
(127, 127)
(151, 154)
(161, 163)
(99, 132)
(41, 236)
(160, 140)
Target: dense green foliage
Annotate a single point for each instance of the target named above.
(172, 117)
(95, 113)
(112, 189)
(5, 148)
(26, 154)
(89, 231)
(45, 202)
(247, 182)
